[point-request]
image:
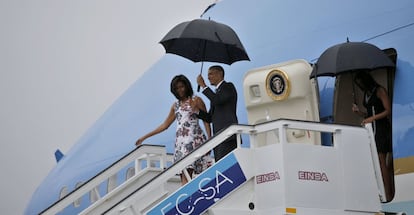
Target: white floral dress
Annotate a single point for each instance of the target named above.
(189, 136)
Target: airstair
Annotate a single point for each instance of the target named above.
(280, 176)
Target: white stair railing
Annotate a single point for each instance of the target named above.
(141, 197)
(148, 153)
(145, 196)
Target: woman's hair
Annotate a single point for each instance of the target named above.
(188, 88)
(365, 81)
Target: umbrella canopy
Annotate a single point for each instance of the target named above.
(205, 40)
(350, 56)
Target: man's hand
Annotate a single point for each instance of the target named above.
(200, 81)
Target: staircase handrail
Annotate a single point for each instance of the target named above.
(280, 124)
(139, 153)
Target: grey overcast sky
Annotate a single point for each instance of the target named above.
(62, 64)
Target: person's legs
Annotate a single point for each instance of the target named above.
(386, 176)
(183, 176)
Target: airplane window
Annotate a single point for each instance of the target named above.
(63, 192)
(111, 183)
(77, 202)
(130, 172)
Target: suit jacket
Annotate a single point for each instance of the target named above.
(223, 104)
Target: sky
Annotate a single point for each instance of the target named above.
(62, 64)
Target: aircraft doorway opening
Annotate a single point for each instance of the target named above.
(347, 93)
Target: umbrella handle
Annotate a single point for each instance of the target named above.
(201, 71)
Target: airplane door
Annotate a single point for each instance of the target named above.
(346, 93)
(282, 90)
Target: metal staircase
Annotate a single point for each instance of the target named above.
(276, 174)
(147, 161)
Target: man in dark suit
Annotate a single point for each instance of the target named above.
(222, 113)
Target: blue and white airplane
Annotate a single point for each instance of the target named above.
(272, 32)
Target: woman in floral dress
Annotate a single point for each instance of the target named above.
(189, 134)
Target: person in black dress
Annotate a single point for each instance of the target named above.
(378, 110)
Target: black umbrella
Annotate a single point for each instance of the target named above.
(205, 40)
(348, 57)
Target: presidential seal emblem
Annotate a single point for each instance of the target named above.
(277, 85)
